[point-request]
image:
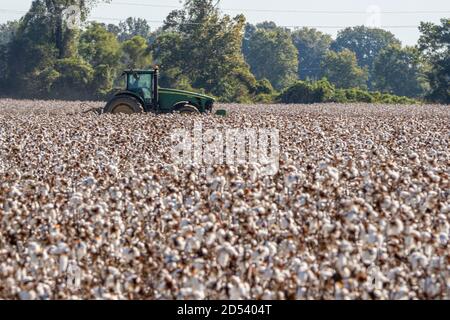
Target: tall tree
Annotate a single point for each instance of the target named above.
(205, 48)
(7, 33)
(366, 43)
(268, 25)
(136, 53)
(3, 68)
(64, 37)
(342, 70)
(26, 66)
(133, 27)
(73, 77)
(272, 55)
(434, 43)
(99, 46)
(101, 49)
(249, 32)
(312, 46)
(399, 71)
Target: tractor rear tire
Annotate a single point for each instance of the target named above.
(188, 109)
(124, 105)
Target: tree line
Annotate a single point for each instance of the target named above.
(200, 49)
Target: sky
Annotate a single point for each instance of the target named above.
(400, 16)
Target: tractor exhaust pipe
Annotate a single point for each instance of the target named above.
(156, 88)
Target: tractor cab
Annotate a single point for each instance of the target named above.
(144, 84)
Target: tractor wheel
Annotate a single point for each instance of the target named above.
(188, 109)
(124, 105)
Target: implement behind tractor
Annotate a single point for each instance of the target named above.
(142, 94)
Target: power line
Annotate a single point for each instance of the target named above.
(285, 26)
(143, 5)
(281, 26)
(284, 10)
(13, 11)
(264, 10)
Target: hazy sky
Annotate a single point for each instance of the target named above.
(283, 12)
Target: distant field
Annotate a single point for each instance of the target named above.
(91, 206)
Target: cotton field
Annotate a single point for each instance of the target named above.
(93, 206)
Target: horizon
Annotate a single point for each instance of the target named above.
(325, 15)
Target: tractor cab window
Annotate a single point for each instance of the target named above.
(141, 83)
(138, 81)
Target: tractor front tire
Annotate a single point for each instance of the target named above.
(124, 105)
(188, 109)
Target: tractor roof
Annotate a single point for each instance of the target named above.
(139, 71)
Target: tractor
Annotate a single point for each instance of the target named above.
(142, 94)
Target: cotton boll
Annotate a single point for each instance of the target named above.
(63, 263)
(223, 258)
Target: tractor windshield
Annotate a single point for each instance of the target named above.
(139, 81)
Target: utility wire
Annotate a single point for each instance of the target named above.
(266, 10)
(284, 10)
(191, 23)
(272, 10)
(281, 26)
(13, 11)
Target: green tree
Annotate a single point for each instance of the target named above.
(249, 32)
(103, 81)
(434, 44)
(312, 46)
(132, 27)
(64, 38)
(136, 53)
(268, 25)
(366, 43)
(102, 51)
(8, 31)
(264, 86)
(27, 67)
(205, 48)
(308, 92)
(342, 70)
(75, 76)
(111, 27)
(399, 71)
(272, 55)
(3, 68)
(98, 46)
(35, 27)
(167, 51)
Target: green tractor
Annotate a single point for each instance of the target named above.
(142, 94)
